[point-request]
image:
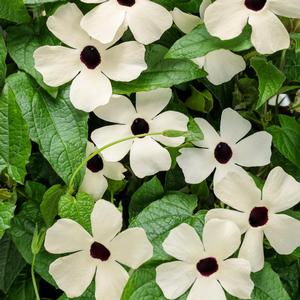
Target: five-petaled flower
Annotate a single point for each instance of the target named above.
(205, 265)
(101, 253)
(257, 213)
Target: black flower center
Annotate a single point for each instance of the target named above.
(99, 251)
(223, 153)
(126, 2)
(139, 126)
(255, 5)
(258, 216)
(90, 56)
(95, 164)
(207, 266)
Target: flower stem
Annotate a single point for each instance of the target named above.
(36, 291)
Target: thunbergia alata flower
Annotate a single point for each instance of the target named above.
(147, 156)
(97, 170)
(101, 254)
(227, 18)
(89, 63)
(146, 19)
(225, 152)
(205, 265)
(257, 213)
(221, 65)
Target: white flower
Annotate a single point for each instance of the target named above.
(147, 20)
(147, 156)
(100, 254)
(204, 266)
(257, 213)
(227, 18)
(225, 152)
(221, 65)
(97, 170)
(89, 62)
(282, 100)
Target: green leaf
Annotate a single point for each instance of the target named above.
(14, 138)
(270, 79)
(200, 101)
(6, 214)
(58, 128)
(35, 191)
(14, 11)
(77, 208)
(286, 138)
(3, 53)
(199, 42)
(161, 73)
(292, 65)
(163, 215)
(191, 6)
(40, 1)
(195, 133)
(89, 294)
(144, 195)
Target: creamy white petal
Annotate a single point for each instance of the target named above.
(111, 279)
(119, 109)
(175, 278)
(200, 61)
(124, 62)
(222, 170)
(93, 1)
(203, 6)
(148, 21)
(268, 33)
(222, 65)
(234, 276)
(109, 134)
(58, 65)
(89, 90)
(73, 273)
(282, 100)
(185, 22)
(169, 120)
(281, 191)
(226, 19)
(147, 157)
(288, 8)
(283, 233)
(94, 184)
(233, 126)
(149, 104)
(206, 288)
(131, 247)
(184, 244)
(106, 221)
(60, 237)
(65, 25)
(196, 164)
(114, 170)
(239, 218)
(252, 248)
(221, 238)
(238, 191)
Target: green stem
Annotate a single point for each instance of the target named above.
(36, 290)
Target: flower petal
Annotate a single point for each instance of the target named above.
(114, 170)
(196, 164)
(106, 221)
(290, 8)
(203, 6)
(58, 65)
(268, 33)
(175, 278)
(60, 237)
(73, 273)
(65, 25)
(281, 191)
(169, 120)
(233, 126)
(239, 191)
(226, 19)
(147, 157)
(282, 232)
(185, 22)
(111, 279)
(234, 277)
(108, 134)
(148, 21)
(89, 90)
(252, 248)
(184, 244)
(119, 109)
(124, 62)
(131, 247)
(107, 16)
